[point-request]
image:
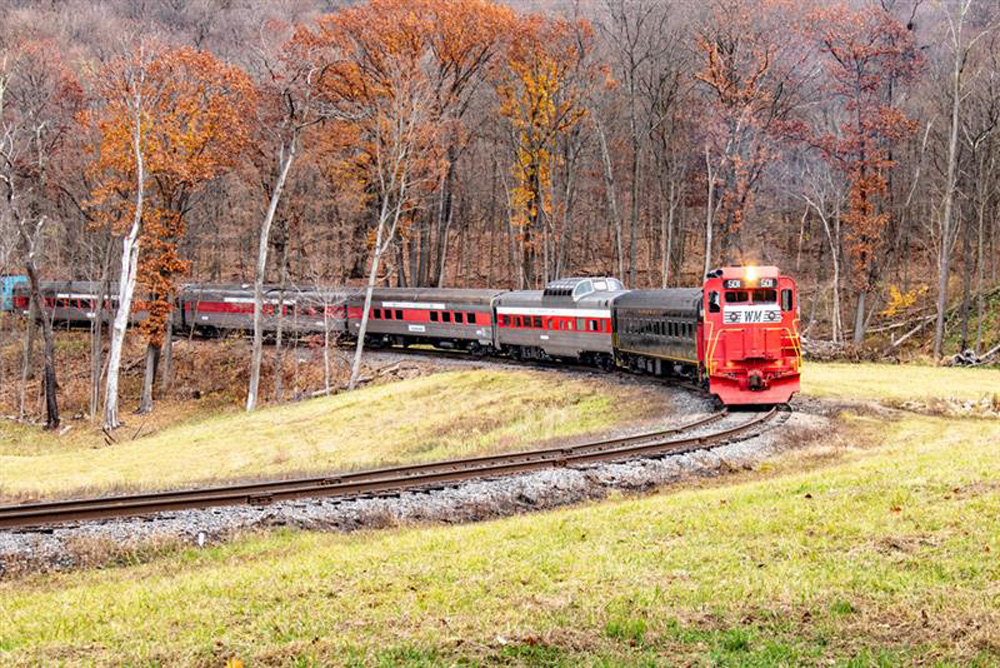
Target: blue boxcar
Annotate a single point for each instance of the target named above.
(7, 284)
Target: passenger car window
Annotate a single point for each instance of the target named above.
(786, 300)
(377, 314)
(459, 317)
(470, 318)
(399, 315)
(446, 316)
(434, 316)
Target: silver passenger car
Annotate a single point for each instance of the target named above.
(72, 303)
(443, 317)
(301, 309)
(570, 318)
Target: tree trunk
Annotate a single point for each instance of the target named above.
(980, 287)
(149, 378)
(372, 276)
(97, 335)
(424, 256)
(667, 234)
(129, 274)
(609, 185)
(445, 216)
(279, 349)
(326, 346)
(709, 213)
(51, 400)
(29, 352)
(258, 285)
(443, 242)
(859, 318)
(167, 375)
(634, 196)
(947, 224)
(966, 285)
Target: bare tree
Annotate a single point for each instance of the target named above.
(826, 200)
(399, 124)
(289, 108)
(31, 244)
(36, 111)
(948, 227)
(638, 33)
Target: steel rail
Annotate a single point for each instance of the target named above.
(348, 476)
(375, 481)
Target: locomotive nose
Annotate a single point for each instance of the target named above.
(755, 381)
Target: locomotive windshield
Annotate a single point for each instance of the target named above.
(765, 296)
(737, 297)
(759, 296)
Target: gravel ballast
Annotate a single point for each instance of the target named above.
(75, 545)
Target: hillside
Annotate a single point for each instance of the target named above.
(872, 546)
(444, 415)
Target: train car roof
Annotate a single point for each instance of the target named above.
(468, 296)
(540, 299)
(68, 286)
(666, 299)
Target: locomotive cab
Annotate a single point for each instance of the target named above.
(752, 351)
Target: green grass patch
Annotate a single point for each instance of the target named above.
(433, 417)
(888, 557)
(895, 382)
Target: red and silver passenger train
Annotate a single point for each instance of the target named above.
(737, 333)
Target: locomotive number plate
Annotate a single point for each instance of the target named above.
(749, 315)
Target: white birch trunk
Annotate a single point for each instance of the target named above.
(129, 273)
(709, 212)
(258, 285)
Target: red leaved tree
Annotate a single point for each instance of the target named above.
(753, 72)
(867, 54)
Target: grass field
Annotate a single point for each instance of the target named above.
(886, 557)
(877, 546)
(432, 417)
(894, 382)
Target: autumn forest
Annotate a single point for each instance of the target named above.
(471, 143)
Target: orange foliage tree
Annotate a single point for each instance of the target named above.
(193, 128)
(542, 85)
(379, 74)
(448, 45)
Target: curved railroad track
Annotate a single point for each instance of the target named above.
(384, 480)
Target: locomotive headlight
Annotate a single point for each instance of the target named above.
(751, 274)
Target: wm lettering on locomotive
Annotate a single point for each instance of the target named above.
(751, 315)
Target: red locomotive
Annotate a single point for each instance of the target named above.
(737, 334)
(751, 351)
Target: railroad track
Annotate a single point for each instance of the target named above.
(383, 480)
